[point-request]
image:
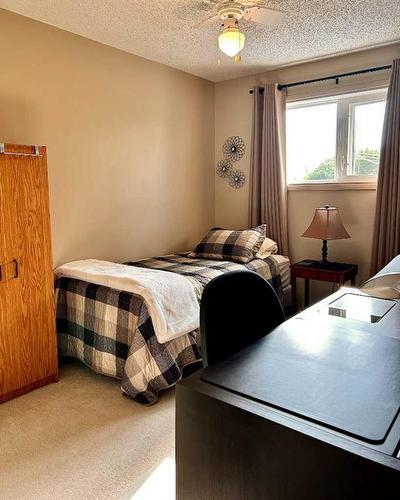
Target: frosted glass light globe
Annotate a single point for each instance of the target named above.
(231, 41)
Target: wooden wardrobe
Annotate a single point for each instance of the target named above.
(28, 349)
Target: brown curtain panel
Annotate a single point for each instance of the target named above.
(268, 192)
(386, 239)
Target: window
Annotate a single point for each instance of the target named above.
(335, 139)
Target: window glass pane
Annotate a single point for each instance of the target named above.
(367, 133)
(311, 143)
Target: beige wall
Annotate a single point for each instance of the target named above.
(130, 142)
(131, 146)
(233, 114)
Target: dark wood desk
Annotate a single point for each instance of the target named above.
(305, 413)
(333, 272)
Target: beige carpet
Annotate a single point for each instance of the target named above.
(81, 439)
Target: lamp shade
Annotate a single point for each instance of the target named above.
(326, 225)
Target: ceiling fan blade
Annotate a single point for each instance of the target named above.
(263, 15)
(214, 17)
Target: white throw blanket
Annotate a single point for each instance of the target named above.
(170, 298)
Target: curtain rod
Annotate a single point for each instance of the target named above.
(332, 77)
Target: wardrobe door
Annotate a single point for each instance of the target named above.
(13, 358)
(28, 333)
(8, 346)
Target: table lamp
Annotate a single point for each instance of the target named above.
(326, 225)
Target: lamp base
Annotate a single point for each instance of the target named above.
(324, 259)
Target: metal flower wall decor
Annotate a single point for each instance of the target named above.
(224, 168)
(237, 179)
(233, 150)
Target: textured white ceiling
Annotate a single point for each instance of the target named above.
(167, 31)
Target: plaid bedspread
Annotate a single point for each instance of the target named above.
(111, 331)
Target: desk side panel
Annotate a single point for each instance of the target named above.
(226, 453)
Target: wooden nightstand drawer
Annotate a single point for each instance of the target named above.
(305, 273)
(326, 276)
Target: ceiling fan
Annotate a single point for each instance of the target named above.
(230, 12)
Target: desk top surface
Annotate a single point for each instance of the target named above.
(344, 379)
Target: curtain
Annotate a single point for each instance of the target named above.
(268, 192)
(386, 238)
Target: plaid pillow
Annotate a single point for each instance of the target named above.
(224, 244)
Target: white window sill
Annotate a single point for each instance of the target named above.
(332, 186)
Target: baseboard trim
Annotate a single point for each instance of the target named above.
(28, 388)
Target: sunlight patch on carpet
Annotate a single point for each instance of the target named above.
(160, 484)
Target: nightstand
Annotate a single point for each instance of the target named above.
(333, 272)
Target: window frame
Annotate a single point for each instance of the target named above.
(345, 118)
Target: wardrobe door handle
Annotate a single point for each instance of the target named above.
(16, 273)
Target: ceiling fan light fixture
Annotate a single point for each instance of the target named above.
(231, 41)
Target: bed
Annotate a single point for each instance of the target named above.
(111, 331)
